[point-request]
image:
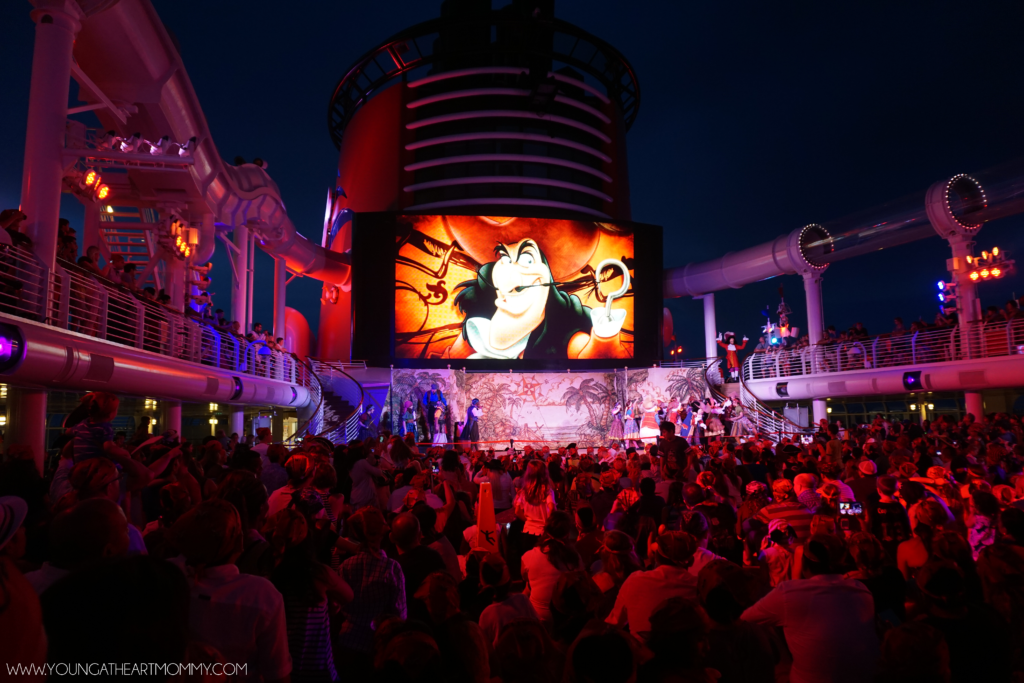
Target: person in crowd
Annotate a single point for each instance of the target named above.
(788, 508)
(274, 475)
(886, 582)
(887, 518)
(552, 555)
(535, 503)
(644, 591)
(377, 582)
(828, 620)
(308, 588)
(365, 474)
(416, 560)
(300, 468)
(506, 606)
(249, 497)
(241, 615)
(502, 490)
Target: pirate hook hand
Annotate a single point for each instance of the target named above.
(746, 338)
(719, 336)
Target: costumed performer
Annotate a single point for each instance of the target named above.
(616, 430)
(631, 426)
(471, 432)
(438, 426)
(732, 359)
(431, 399)
(367, 427)
(408, 425)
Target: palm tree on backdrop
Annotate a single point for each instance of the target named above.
(585, 395)
(686, 382)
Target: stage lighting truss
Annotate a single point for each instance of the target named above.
(991, 265)
(947, 297)
(183, 239)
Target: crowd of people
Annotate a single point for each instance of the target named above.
(893, 552)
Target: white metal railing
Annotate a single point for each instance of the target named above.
(962, 342)
(766, 421)
(345, 386)
(73, 298)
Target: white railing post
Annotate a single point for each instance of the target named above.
(64, 306)
(104, 312)
(913, 349)
(140, 323)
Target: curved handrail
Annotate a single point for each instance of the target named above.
(350, 423)
(763, 416)
(302, 431)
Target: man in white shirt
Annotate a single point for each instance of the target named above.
(263, 441)
(828, 621)
(643, 592)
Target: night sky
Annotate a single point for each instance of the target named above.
(755, 118)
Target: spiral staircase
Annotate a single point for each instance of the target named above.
(767, 422)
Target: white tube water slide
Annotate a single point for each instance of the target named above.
(969, 200)
(127, 52)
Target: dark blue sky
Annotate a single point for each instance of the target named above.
(756, 118)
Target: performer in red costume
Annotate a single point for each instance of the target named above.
(732, 359)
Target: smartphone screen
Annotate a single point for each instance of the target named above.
(850, 508)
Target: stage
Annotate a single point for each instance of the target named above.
(539, 407)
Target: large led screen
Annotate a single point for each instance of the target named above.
(499, 289)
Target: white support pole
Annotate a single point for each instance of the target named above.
(172, 416)
(57, 24)
(240, 291)
(236, 422)
(975, 405)
(710, 326)
(280, 297)
(815, 329)
(91, 227)
(252, 270)
(176, 287)
(26, 421)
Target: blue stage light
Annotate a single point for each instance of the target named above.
(942, 285)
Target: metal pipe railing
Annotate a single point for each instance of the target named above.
(75, 299)
(981, 339)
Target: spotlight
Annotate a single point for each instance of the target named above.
(91, 177)
(102, 192)
(995, 251)
(942, 285)
(985, 273)
(110, 209)
(913, 406)
(974, 276)
(996, 272)
(931, 406)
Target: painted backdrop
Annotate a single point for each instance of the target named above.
(543, 406)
